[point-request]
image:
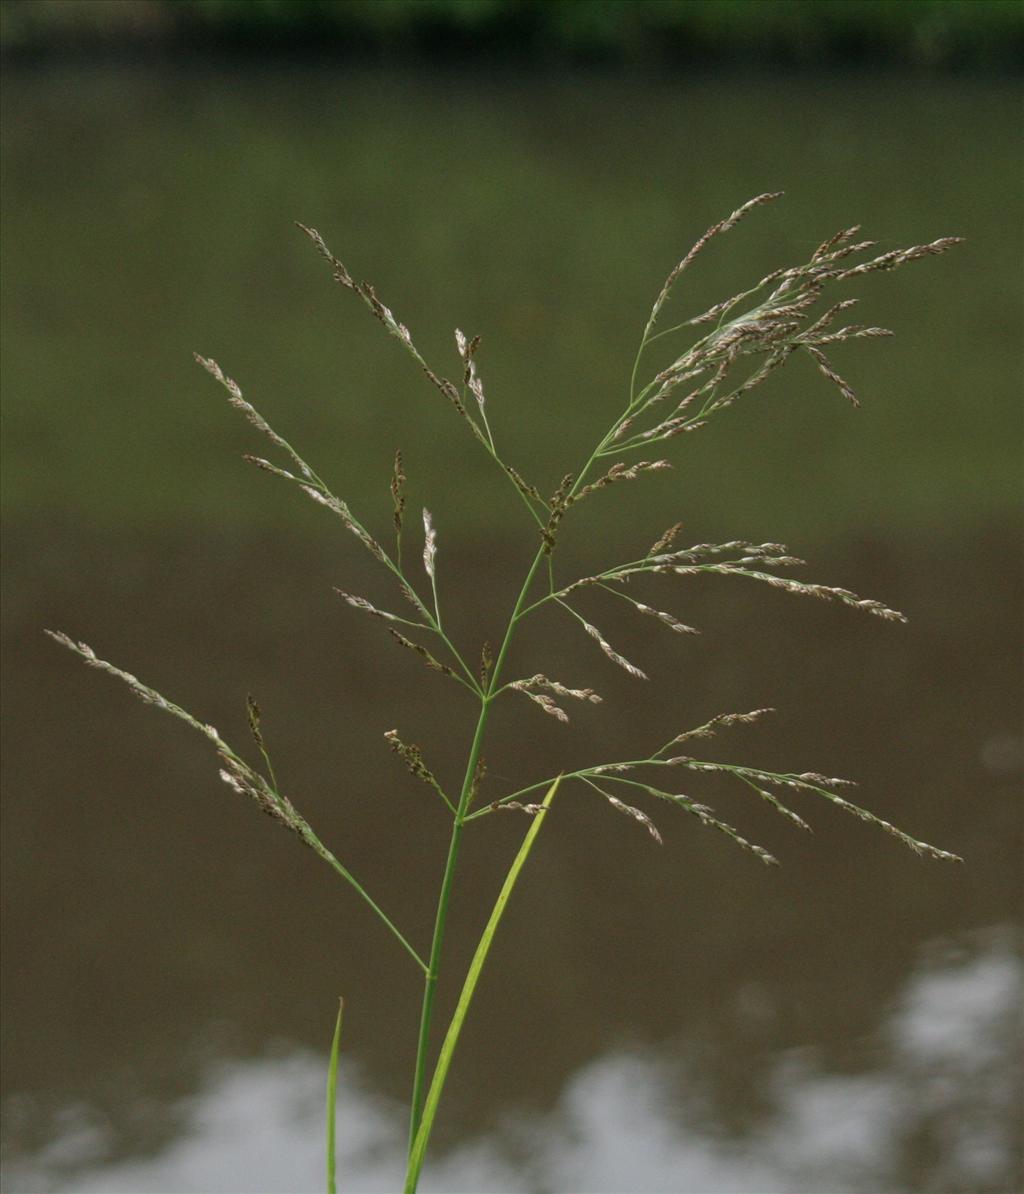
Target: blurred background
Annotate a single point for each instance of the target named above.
(675, 1019)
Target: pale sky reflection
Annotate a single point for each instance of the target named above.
(256, 1128)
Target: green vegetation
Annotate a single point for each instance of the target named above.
(713, 359)
(948, 33)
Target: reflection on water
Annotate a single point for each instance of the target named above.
(939, 1101)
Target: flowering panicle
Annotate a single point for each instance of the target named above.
(736, 346)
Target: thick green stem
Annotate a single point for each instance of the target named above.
(441, 919)
(448, 879)
(419, 1147)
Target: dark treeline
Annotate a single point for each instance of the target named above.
(947, 34)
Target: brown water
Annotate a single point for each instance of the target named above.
(674, 1019)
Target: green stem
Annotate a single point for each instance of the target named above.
(440, 923)
(461, 816)
(422, 1138)
(441, 918)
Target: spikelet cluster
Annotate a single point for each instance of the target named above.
(765, 324)
(529, 686)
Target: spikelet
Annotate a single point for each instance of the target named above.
(255, 721)
(825, 592)
(236, 399)
(662, 616)
(429, 544)
(398, 479)
(417, 649)
(826, 369)
(366, 607)
(833, 242)
(918, 847)
(527, 490)
(146, 694)
(411, 756)
(341, 274)
(619, 472)
(898, 257)
(781, 808)
(704, 815)
(612, 654)
(545, 702)
(819, 784)
(267, 467)
(513, 806)
(853, 331)
(539, 681)
(700, 550)
(240, 777)
(558, 505)
(340, 508)
(666, 540)
(246, 782)
(812, 782)
(467, 350)
(479, 772)
(384, 314)
(773, 800)
(630, 810)
(716, 229)
(721, 721)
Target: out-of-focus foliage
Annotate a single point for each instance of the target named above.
(945, 33)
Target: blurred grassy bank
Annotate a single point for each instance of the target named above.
(148, 214)
(973, 34)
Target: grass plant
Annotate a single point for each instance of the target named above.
(720, 355)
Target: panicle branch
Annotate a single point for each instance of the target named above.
(401, 333)
(750, 560)
(310, 484)
(757, 779)
(234, 771)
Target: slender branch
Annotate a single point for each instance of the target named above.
(241, 778)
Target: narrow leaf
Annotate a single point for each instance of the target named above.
(444, 1060)
(332, 1092)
